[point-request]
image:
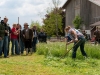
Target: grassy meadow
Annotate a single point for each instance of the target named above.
(49, 60)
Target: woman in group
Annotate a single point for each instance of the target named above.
(14, 40)
(78, 39)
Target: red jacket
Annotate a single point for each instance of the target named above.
(13, 35)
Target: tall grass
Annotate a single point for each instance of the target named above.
(58, 49)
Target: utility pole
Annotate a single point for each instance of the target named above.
(18, 20)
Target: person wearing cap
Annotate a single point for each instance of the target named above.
(5, 40)
(28, 35)
(78, 39)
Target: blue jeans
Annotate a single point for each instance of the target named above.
(81, 43)
(21, 46)
(1, 45)
(15, 43)
(5, 45)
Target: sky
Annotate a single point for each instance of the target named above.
(26, 10)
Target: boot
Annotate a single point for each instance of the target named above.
(26, 51)
(31, 51)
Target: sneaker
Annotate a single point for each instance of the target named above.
(6, 57)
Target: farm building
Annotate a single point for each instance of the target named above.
(88, 10)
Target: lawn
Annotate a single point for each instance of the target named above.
(48, 61)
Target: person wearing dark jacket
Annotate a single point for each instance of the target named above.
(28, 36)
(9, 38)
(5, 41)
(35, 38)
(20, 39)
(2, 34)
(42, 37)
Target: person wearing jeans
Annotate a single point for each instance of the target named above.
(5, 39)
(14, 40)
(1, 45)
(78, 39)
(14, 43)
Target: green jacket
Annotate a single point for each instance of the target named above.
(2, 30)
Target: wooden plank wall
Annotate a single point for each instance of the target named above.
(70, 13)
(95, 13)
(88, 12)
(84, 12)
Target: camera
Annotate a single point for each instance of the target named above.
(2, 21)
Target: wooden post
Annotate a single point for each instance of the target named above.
(18, 20)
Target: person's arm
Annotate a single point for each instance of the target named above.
(75, 35)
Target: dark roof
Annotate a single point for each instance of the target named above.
(97, 2)
(66, 3)
(95, 24)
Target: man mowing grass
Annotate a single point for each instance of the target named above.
(78, 39)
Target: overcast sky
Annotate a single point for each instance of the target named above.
(26, 10)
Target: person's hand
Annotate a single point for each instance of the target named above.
(23, 35)
(0, 38)
(67, 43)
(6, 31)
(76, 39)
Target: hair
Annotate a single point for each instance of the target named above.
(5, 18)
(67, 28)
(14, 24)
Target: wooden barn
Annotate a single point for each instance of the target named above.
(88, 10)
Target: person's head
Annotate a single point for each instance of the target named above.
(67, 28)
(14, 25)
(34, 27)
(5, 20)
(41, 30)
(25, 25)
(19, 26)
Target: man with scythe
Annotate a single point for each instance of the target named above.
(78, 39)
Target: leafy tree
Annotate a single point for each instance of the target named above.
(77, 22)
(53, 21)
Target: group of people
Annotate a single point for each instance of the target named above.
(26, 39)
(21, 39)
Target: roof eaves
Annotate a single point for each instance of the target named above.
(66, 3)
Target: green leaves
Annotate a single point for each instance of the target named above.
(53, 22)
(77, 22)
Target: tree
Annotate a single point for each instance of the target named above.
(77, 22)
(53, 20)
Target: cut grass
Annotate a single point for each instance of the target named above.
(47, 62)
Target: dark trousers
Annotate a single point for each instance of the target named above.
(8, 45)
(28, 43)
(81, 43)
(34, 42)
